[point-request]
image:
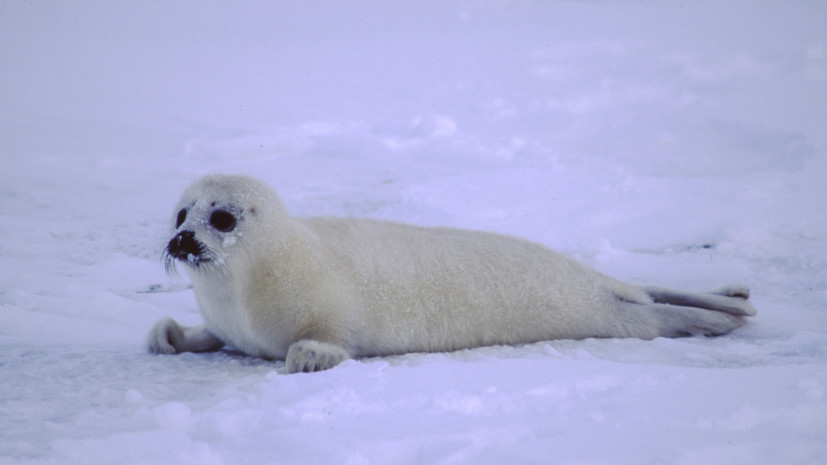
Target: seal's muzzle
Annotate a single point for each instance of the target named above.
(184, 246)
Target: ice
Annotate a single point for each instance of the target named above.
(680, 145)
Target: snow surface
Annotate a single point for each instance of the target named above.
(680, 144)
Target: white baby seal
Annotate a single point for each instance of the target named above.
(317, 291)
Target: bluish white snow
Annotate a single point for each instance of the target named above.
(678, 144)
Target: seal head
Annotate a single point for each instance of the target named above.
(212, 215)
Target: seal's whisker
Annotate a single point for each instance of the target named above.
(170, 266)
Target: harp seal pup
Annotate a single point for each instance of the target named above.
(317, 291)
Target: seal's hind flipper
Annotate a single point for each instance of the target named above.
(729, 299)
(733, 290)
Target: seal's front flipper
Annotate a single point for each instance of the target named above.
(308, 355)
(169, 337)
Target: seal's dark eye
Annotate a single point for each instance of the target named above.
(222, 220)
(182, 216)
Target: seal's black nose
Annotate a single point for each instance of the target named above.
(184, 246)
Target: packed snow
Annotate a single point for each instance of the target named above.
(671, 143)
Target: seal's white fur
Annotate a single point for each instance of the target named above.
(317, 291)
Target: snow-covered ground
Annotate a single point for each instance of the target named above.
(674, 143)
